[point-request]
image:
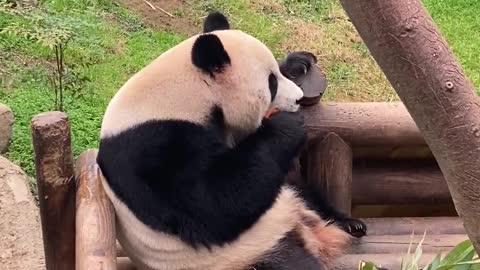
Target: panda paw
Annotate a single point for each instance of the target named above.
(286, 128)
(354, 227)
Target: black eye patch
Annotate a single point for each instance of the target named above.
(273, 85)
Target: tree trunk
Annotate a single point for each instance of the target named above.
(404, 41)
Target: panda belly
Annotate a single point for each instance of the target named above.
(153, 250)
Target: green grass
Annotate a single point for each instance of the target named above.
(113, 43)
(459, 22)
(112, 47)
(268, 29)
(321, 26)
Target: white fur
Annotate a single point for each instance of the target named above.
(153, 250)
(171, 87)
(288, 95)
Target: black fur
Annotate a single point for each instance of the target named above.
(215, 21)
(294, 66)
(297, 63)
(290, 254)
(273, 85)
(209, 55)
(182, 178)
(317, 202)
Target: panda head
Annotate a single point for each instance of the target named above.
(244, 73)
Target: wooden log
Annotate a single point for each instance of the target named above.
(392, 152)
(378, 182)
(120, 251)
(95, 221)
(417, 225)
(329, 170)
(124, 263)
(364, 123)
(294, 176)
(404, 210)
(56, 188)
(398, 244)
(386, 261)
(425, 73)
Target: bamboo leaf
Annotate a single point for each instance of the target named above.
(461, 252)
(435, 263)
(362, 265)
(459, 264)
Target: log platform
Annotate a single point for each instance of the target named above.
(360, 155)
(387, 241)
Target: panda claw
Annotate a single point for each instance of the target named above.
(354, 227)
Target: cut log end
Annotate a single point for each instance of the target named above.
(56, 190)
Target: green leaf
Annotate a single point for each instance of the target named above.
(435, 263)
(459, 265)
(462, 252)
(475, 266)
(362, 265)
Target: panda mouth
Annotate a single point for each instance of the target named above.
(271, 112)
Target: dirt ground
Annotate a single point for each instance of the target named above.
(160, 16)
(21, 246)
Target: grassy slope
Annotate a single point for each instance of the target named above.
(322, 27)
(111, 49)
(459, 22)
(115, 45)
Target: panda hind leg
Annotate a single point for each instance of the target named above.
(317, 202)
(291, 254)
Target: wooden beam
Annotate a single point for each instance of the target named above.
(56, 188)
(329, 170)
(95, 225)
(405, 42)
(379, 182)
(398, 244)
(386, 261)
(417, 225)
(364, 123)
(392, 152)
(125, 263)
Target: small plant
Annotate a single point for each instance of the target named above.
(47, 29)
(461, 257)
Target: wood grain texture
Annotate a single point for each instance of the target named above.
(387, 261)
(95, 221)
(125, 263)
(378, 182)
(364, 123)
(405, 42)
(56, 188)
(392, 152)
(329, 170)
(417, 225)
(398, 244)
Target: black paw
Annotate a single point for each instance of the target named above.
(288, 128)
(354, 227)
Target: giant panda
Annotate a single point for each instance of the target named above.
(196, 173)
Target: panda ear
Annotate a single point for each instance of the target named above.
(215, 21)
(209, 55)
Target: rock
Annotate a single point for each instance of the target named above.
(6, 123)
(21, 244)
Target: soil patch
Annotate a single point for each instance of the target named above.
(21, 245)
(159, 19)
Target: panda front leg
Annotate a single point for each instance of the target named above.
(243, 182)
(317, 202)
